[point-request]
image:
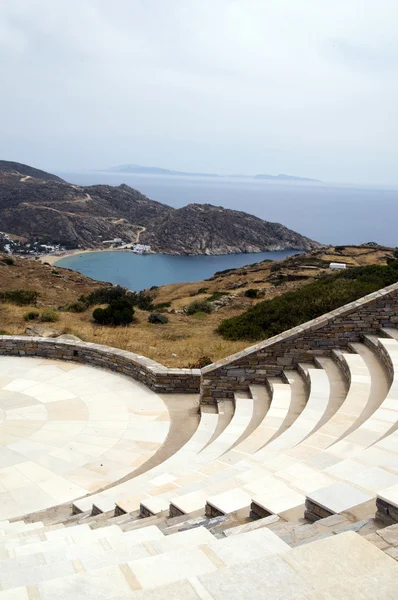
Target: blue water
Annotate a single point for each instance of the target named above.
(137, 272)
(328, 213)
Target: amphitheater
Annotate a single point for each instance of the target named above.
(270, 474)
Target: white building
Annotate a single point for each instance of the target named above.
(140, 248)
(337, 266)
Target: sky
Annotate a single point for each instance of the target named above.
(305, 87)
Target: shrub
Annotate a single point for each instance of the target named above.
(203, 361)
(20, 297)
(216, 296)
(251, 293)
(162, 306)
(157, 317)
(75, 307)
(7, 260)
(199, 291)
(104, 295)
(276, 267)
(271, 317)
(199, 306)
(49, 315)
(54, 272)
(118, 312)
(3, 332)
(31, 315)
(107, 295)
(339, 248)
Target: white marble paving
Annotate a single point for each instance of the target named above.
(67, 430)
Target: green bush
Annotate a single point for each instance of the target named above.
(118, 312)
(106, 295)
(3, 332)
(162, 306)
(31, 315)
(216, 296)
(158, 318)
(251, 293)
(312, 300)
(75, 307)
(199, 291)
(54, 272)
(339, 248)
(199, 306)
(49, 315)
(7, 260)
(20, 297)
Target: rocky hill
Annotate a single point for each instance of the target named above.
(207, 229)
(7, 166)
(35, 204)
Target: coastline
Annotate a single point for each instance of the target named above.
(52, 259)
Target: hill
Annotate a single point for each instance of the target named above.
(186, 338)
(42, 206)
(16, 168)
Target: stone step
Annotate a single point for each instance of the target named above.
(335, 567)
(18, 527)
(215, 479)
(339, 423)
(153, 502)
(140, 556)
(105, 501)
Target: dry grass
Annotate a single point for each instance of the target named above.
(188, 337)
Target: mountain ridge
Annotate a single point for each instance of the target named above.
(46, 207)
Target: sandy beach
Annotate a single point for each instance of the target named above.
(52, 259)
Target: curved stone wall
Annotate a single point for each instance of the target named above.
(157, 377)
(320, 336)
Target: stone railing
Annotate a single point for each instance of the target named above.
(320, 336)
(157, 377)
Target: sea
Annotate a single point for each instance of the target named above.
(329, 213)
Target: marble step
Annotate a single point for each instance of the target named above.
(210, 495)
(282, 394)
(105, 501)
(341, 566)
(151, 560)
(96, 555)
(346, 417)
(149, 568)
(156, 498)
(18, 527)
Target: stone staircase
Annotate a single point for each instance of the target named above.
(287, 489)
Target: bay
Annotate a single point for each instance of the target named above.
(137, 272)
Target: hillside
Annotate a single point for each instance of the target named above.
(185, 338)
(207, 229)
(34, 204)
(16, 168)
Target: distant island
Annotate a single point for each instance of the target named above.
(142, 170)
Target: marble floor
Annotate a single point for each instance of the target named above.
(68, 429)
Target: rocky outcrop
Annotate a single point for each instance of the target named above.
(35, 204)
(207, 229)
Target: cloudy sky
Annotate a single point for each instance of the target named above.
(306, 87)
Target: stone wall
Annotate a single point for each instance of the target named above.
(320, 336)
(157, 377)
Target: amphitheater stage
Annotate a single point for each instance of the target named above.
(67, 430)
